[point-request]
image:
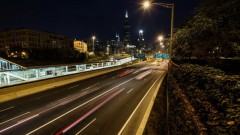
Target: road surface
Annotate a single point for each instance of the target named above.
(99, 105)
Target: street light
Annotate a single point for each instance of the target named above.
(93, 38)
(160, 38)
(147, 4)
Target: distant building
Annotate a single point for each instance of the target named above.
(113, 46)
(126, 31)
(117, 38)
(116, 45)
(128, 46)
(80, 46)
(99, 47)
(141, 45)
(28, 39)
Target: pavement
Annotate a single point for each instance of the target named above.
(99, 105)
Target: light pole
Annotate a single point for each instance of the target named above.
(147, 5)
(93, 38)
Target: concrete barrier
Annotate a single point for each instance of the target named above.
(17, 91)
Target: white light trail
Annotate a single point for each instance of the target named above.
(14, 118)
(76, 108)
(7, 109)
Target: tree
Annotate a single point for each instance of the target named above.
(3, 54)
(211, 32)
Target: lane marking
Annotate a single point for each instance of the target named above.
(9, 127)
(85, 127)
(61, 115)
(14, 118)
(144, 74)
(18, 123)
(70, 126)
(73, 87)
(129, 91)
(124, 126)
(31, 117)
(7, 109)
(90, 87)
(77, 107)
(24, 120)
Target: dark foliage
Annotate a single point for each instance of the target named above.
(3, 54)
(212, 32)
(214, 96)
(57, 55)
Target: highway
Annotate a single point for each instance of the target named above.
(99, 105)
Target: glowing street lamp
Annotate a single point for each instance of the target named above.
(160, 38)
(147, 5)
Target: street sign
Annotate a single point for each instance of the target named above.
(140, 55)
(162, 55)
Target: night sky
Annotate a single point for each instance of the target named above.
(83, 18)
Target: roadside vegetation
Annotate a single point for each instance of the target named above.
(204, 90)
(204, 86)
(212, 32)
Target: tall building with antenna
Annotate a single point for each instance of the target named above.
(126, 31)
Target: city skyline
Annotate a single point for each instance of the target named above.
(129, 67)
(82, 19)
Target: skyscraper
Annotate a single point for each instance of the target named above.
(140, 40)
(126, 31)
(117, 38)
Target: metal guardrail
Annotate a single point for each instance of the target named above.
(13, 77)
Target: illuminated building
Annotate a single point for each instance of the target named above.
(141, 45)
(80, 46)
(126, 31)
(28, 39)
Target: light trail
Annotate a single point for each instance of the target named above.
(48, 109)
(86, 126)
(142, 75)
(33, 131)
(6, 109)
(88, 113)
(124, 126)
(18, 123)
(14, 118)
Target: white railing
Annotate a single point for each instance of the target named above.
(8, 65)
(27, 75)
